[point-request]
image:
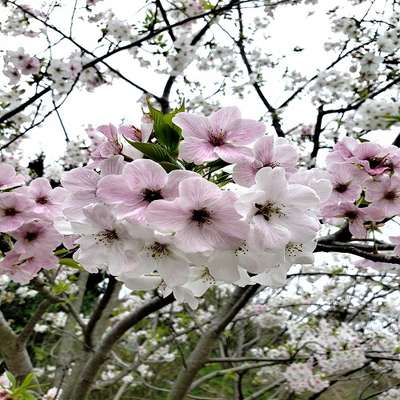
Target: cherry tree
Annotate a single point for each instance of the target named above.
(236, 237)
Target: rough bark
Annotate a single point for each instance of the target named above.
(200, 354)
(70, 350)
(14, 352)
(99, 356)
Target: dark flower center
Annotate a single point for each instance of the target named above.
(267, 210)
(107, 237)
(375, 162)
(151, 195)
(42, 200)
(159, 249)
(341, 187)
(217, 138)
(201, 216)
(391, 195)
(10, 212)
(351, 214)
(31, 236)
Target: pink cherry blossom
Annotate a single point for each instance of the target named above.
(345, 186)
(22, 267)
(9, 178)
(367, 158)
(30, 66)
(268, 152)
(371, 158)
(36, 236)
(81, 184)
(12, 73)
(135, 134)
(15, 209)
(141, 182)
(392, 160)
(316, 179)
(203, 217)
(48, 201)
(342, 151)
(111, 146)
(355, 216)
(278, 211)
(106, 243)
(158, 253)
(222, 135)
(384, 194)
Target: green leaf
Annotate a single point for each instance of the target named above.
(153, 151)
(69, 262)
(168, 166)
(60, 288)
(27, 381)
(11, 378)
(207, 5)
(166, 132)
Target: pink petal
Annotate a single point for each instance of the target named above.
(114, 189)
(112, 165)
(233, 154)
(109, 131)
(166, 215)
(264, 149)
(270, 236)
(193, 125)
(286, 155)
(244, 174)
(171, 189)
(192, 239)
(9, 224)
(197, 193)
(40, 186)
(302, 196)
(221, 119)
(146, 174)
(272, 181)
(244, 131)
(80, 178)
(197, 151)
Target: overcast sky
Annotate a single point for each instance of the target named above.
(292, 27)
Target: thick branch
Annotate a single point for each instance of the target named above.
(99, 310)
(199, 355)
(100, 355)
(349, 249)
(15, 354)
(36, 317)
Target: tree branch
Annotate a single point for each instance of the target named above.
(100, 354)
(199, 355)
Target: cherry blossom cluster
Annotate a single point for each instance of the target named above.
(156, 226)
(18, 62)
(19, 23)
(327, 349)
(27, 214)
(365, 184)
(301, 378)
(334, 349)
(376, 114)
